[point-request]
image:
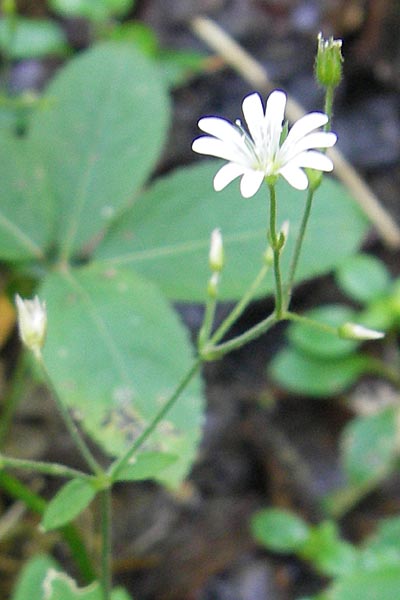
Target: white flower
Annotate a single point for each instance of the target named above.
(260, 153)
(32, 323)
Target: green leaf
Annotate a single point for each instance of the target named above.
(30, 580)
(101, 137)
(363, 277)
(138, 33)
(59, 586)
(120, 594)
(32, 38)
(329, 554)
(386, 537)
(306, 375)
(95, 10)
(382, 583)
(321, 344)
(67, 504)
(116, 351)
(146, 466)
(26, 211)
(279, 530)
(166, 234)
(370, 446)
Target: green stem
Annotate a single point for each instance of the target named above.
(106, 574)
(299, 243)
(240, 306)
(54, 469)
(311, 323)
(72, 428)
(275, 243)
(120, 463)
(328, 107)
(17, 490)
(12, 397)
(214, 352)
(205, 331)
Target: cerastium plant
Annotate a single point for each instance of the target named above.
(115, 352)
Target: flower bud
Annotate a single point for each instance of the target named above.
(32, 323)
(216, 256)
(352, 331)
(283, 234)
(328, 63)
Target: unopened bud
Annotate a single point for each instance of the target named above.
(283, 234)
(216, 256)
(353, 331)
(32, 323)
(328, 63)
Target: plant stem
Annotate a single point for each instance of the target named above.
(205, 331)
(72, 428)
(120, 463)
(298, 245)
(47, 468)
(214, 352)
(240, 306)
(17, 490)
(275, 243)
(328, 107)
(311, 323)
(106, 575)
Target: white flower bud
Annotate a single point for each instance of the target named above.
(32, 323)
(216, 256)
(353, 331)
(284, 234)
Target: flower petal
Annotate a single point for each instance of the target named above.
(221, 129)
(213, 147)
(320, 139)
(253, 111)
(226, 175)
(304, 126)
(274, 115)
(312, 160)
(295, 177)
(251, 182)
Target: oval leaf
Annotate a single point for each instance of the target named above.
(33, 38)
(101, 135)
(370, 446)
(30, 580)
(280, 530)
(26, 211)
(116, 352)
(146, 466)
(166, 234)
(306, 375)
(67, 504)
(375, 584)
(59, 586)
(363, 277)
